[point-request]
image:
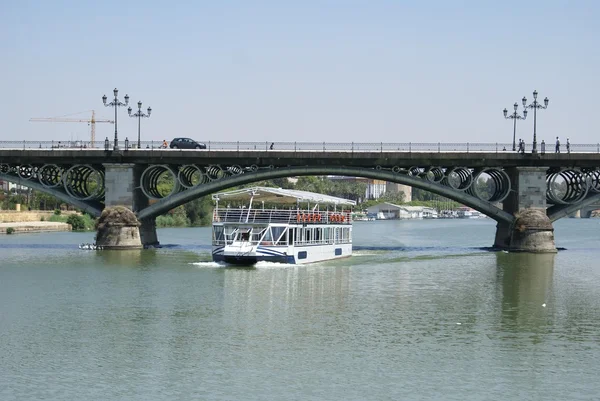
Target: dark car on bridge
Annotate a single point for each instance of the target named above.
(186, 143)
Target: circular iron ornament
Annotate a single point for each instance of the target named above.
(459, 178)
(500, 181)
(433, 174)
(152, 177)
(593, 179)
(414, 171)
(26, 171)
(566, 187)
(215, 172)
(398, 170)
(4, 168)
(235, 170)
(84, 182)
(254, 167)
(50, 175)
(377, 167)
(191, 176)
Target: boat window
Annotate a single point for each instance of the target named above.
(302, 255)
(218, 233)
(278, 235)
(338, 251)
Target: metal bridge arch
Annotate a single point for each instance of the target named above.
(559, 211)
(93, 208)
(219, 185)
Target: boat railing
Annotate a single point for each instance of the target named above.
(282, 216)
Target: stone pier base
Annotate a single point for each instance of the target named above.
(532, 232)
(118, 228)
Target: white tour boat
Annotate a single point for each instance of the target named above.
(295, 227)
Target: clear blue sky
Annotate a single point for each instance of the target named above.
(362, 71)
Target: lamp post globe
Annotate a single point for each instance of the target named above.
(139, 114)
(514, 116)
(116, 104)
(535, 105)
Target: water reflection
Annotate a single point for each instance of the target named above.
(129, 257)
(275, 295)
(526, 285)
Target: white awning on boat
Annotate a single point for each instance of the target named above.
(279, 195)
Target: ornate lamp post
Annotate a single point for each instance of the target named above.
(115, 103)
(535, 105)
(515, 116)
(139, 114)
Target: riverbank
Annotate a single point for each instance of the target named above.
(13, 216)
(33, 221)
(33, 227)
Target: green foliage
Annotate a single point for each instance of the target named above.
(10, 230)
(57, 212)
(199, 211)
(174, 218)
(77, 222)
(83, 222)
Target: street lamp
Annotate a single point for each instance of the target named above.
(535, 105)
(115, 103)
(515, 116)
(139, 114)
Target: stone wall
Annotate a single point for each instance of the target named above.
(12, 216)
(34, 227)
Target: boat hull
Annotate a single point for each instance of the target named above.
(287, 255)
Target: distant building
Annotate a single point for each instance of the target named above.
(377, 188)
(389, 211)
(392, 187)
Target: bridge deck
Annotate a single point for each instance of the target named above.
(278, 158)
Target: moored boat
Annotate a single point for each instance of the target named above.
(289, 226)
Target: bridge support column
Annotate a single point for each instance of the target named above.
(532, 230)
(122, 189)
(148, 233)
(503, 230)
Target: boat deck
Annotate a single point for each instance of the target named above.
(281, 216)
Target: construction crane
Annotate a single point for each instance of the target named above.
(92, 122)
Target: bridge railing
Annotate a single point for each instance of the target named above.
(267, 216)
(282, 146)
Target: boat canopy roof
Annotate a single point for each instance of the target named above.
(279, 195)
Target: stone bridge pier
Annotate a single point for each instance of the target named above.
(121, 189)
(531, 230)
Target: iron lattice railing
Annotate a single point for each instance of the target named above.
(348, 147)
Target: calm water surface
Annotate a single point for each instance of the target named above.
(420, 312)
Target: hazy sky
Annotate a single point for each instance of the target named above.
(362, 71)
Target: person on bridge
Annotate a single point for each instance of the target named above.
(568, 146)
(557, 147)
(165, 144)
(272, 144)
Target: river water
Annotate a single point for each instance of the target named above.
(421, 311)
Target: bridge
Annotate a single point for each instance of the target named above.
(94, 178)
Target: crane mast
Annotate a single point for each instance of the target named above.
(92, 122)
